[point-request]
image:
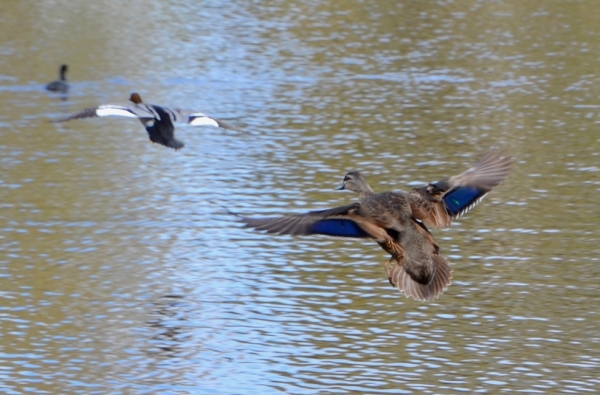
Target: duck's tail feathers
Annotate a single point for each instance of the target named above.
(399, 278)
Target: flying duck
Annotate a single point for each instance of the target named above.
(157, 120)
(397, 221)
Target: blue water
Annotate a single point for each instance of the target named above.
(121, 270)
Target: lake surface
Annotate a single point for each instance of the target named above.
(122, 272)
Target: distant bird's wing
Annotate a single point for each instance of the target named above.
(440, 202)
(339, 222)
(196, 118)
(116, 110)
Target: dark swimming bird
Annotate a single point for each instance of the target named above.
(157, 120)
(396, 220)
(60, 85)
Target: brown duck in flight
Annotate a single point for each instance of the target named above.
(396, 220)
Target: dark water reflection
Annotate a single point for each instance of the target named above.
(120, 271)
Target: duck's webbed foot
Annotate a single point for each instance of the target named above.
(394, 249)
(396, 260)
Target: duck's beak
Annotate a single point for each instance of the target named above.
(341, 187)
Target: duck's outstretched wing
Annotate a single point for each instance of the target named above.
(339, 222)
(439, 203)
(142, 111)
(196, 118)
(411, 278)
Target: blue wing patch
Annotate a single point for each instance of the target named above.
(339, 228)
(460, 199)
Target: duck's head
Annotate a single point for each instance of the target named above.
(355, 182)
(135, 98)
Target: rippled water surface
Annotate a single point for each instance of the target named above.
(122, 272)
